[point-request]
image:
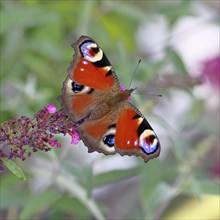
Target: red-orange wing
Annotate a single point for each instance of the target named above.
(90, 76)
(135, 136)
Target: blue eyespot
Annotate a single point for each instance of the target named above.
(76, 88)
(109, 140)
(149, 149)
(149, 145)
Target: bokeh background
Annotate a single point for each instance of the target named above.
(178, 43)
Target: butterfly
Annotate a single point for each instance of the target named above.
(108, 122)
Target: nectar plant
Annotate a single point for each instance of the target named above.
(20, 137)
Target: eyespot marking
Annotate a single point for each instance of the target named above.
(143, 124)
(76, 88)
(95, 49)
(90, 51)
(109, 140)
(103, 62)
(148, 141)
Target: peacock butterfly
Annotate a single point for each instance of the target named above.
(92, 97)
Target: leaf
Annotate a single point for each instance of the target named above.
(11, 198)
(177, 61)
(131, 12)
(84, 176)
(71, 206)
(20, 18)
(14, 168)
(205, 187)
(66, 182)
(175, 11)
(114, 176)
(38, 202)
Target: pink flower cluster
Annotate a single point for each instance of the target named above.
(37, 133)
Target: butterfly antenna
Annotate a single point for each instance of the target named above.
(134, 73)
(157, 95)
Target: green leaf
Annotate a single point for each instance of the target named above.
(114, 176)
(11, 198)
(14, 168)
(205, 187)
(132, 12)
(177, 61)
(20, 18)
(175, 11)
(38, 202)
(84, 176)
(71, 206)
(66, 182)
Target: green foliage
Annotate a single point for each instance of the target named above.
(35, 54)
(14, 168)
(177, 61)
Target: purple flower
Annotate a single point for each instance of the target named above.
(54, 143)
(75, 137)
(51, 108)
(37, 133)
(211, 71)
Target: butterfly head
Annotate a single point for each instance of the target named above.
(129, 91)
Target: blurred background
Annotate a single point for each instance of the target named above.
(178, 43)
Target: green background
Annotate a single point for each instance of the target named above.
(67, 184)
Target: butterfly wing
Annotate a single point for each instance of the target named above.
(98, 135)
(124, 130)
(90, 78)
(134, 135)
(110, 126)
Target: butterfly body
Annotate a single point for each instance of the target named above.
(91, 93)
